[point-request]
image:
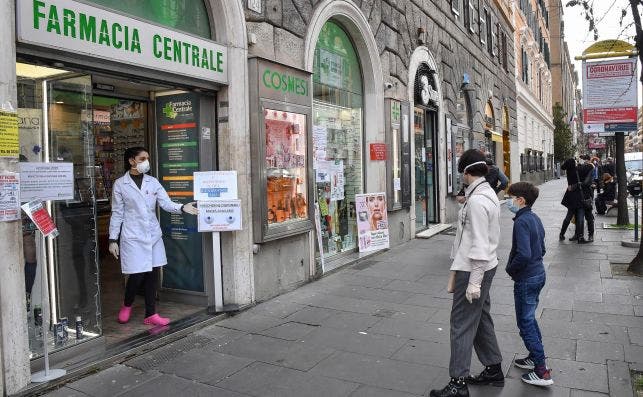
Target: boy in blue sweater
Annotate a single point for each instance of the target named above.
(525, 266)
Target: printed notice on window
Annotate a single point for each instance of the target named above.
(46, 181)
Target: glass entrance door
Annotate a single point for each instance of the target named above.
(72, 256)
(426, 211)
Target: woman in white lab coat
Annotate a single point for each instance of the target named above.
(141, 249)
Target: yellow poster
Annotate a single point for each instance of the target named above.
(9, 134)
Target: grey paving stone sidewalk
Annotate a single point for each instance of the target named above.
(381, 328)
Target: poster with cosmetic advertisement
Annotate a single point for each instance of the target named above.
(372, 221)
(177, 120)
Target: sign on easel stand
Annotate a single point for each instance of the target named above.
(219, 211)
(37, 212)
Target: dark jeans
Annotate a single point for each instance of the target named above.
(133, 284)
(580, 216)
(526, 294)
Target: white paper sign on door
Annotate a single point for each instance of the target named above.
(46, 181)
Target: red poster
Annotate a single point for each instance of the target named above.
(40, 217)
(378, 151)
(607, 115)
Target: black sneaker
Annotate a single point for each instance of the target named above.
(524, 363)
(582, 240)
(590, 238)
(533, 378)
(561, 237)
(457, 387)
(491, 375)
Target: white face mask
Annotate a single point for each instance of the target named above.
(143, 166)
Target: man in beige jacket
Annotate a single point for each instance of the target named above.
(474, 263)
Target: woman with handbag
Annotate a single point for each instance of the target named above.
(573, 201)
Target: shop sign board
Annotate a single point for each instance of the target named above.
(9, 146)
(609, 92)
(378, 151)
(220, 215)
(41, 218)
(177, 120)
(9, 196)
(372, 221)
(46, 181)
(215, 185)
(82, 29)
(282, 83)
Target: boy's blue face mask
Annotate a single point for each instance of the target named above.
(511, 205)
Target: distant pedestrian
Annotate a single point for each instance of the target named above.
(573, 200)
(474, 263)
(608, 195)
(525, 266)
(496, 178)
(610, 167)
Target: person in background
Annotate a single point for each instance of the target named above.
(526, 269)
(610, 167)
(496, 178)
(607, 196)
(597, 174)
(586, 175)
(475, 260)
(573, 202)
(141, 250)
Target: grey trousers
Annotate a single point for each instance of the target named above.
(472, 327)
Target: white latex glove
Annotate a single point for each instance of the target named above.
(190, 208)
(113, 249)
(473, 292)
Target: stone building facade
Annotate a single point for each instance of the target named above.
(534, 89)
(465, 48)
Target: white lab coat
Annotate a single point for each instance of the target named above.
(134, 219)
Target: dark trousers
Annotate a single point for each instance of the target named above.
(526, 298)
(580, 217)
(148, 279)
(472, 327)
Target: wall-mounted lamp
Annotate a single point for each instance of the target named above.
(421, 35)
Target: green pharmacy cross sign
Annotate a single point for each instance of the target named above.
(82, 29)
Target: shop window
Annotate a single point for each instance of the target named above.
(337, 131)
(286, 166)
(186, 15)
(455, 7)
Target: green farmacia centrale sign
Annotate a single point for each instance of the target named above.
(83, 29)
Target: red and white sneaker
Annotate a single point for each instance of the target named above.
(533, 378)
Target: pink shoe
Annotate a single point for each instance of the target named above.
(155, 319)
(123, 315)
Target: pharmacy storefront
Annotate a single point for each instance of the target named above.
(95, 78)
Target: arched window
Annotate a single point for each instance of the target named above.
(338, 136)
(186, 15)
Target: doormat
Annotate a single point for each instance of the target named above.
(618, 227)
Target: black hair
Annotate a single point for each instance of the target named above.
(569, 165)
(584, 156)
(131, 153)
(473, 156)
(525, 190)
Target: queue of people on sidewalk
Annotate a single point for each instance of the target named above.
(585, 177)
(475, 260)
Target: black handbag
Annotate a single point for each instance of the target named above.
(587, 202)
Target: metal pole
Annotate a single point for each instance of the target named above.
(636, 218)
